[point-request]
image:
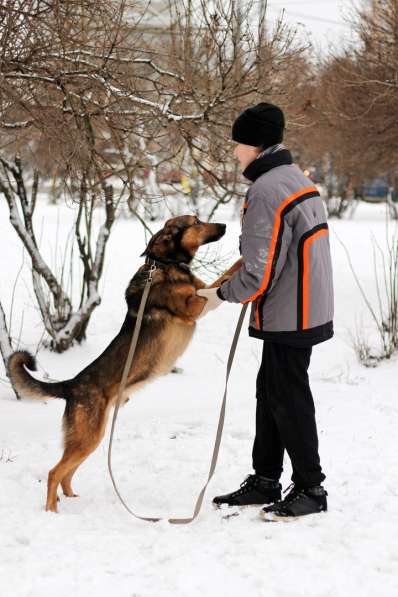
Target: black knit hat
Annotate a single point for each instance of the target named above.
(260, 126)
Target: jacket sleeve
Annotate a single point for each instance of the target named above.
(264, 242)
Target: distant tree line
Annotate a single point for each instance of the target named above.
(352, 124)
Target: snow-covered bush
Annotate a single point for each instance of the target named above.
(385, 312)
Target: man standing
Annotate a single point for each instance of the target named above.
(286, 275)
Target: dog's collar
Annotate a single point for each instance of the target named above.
(163, 264)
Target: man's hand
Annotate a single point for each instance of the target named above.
(213, 300)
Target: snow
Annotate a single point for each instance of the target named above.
(162, 450)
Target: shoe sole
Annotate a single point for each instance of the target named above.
(228, 507)
(243, 506)
(270, 517)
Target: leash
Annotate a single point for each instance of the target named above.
(221, 420)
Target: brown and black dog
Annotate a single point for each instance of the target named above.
(167, 327)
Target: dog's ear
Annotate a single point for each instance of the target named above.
(148, 247)
(159, 236)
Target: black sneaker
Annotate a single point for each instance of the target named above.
(255, 490)
(298, 502)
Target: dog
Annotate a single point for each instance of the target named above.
(168, 324)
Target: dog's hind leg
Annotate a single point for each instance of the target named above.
(66, 482)
(71, 459)
(81, 439)
(63, 472)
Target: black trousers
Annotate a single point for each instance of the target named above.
(285, 416)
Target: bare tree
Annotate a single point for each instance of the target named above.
(5, 340)
(6, 348)
(355, 101)
(138, 100)
(61, 321)
(94, 99)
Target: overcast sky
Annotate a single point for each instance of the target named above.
(322, 20)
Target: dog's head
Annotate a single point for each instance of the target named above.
(181, 237)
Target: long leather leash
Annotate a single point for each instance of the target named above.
(221, 420)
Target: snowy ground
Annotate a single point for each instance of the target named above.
(162, 452)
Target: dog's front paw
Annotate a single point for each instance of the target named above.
(52, 508)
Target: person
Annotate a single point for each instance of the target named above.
(286, 275)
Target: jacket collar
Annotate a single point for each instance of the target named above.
(267, 160)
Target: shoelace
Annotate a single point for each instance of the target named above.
(248, 483)
(287, 488)
(297, 492)
(292, 496)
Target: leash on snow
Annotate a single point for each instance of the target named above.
(122, 387)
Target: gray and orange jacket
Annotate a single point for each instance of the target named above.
(286, 272)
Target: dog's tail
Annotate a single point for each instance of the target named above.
(27, 385)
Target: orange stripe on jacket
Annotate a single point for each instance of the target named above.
(274, 238)
(306, 275)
